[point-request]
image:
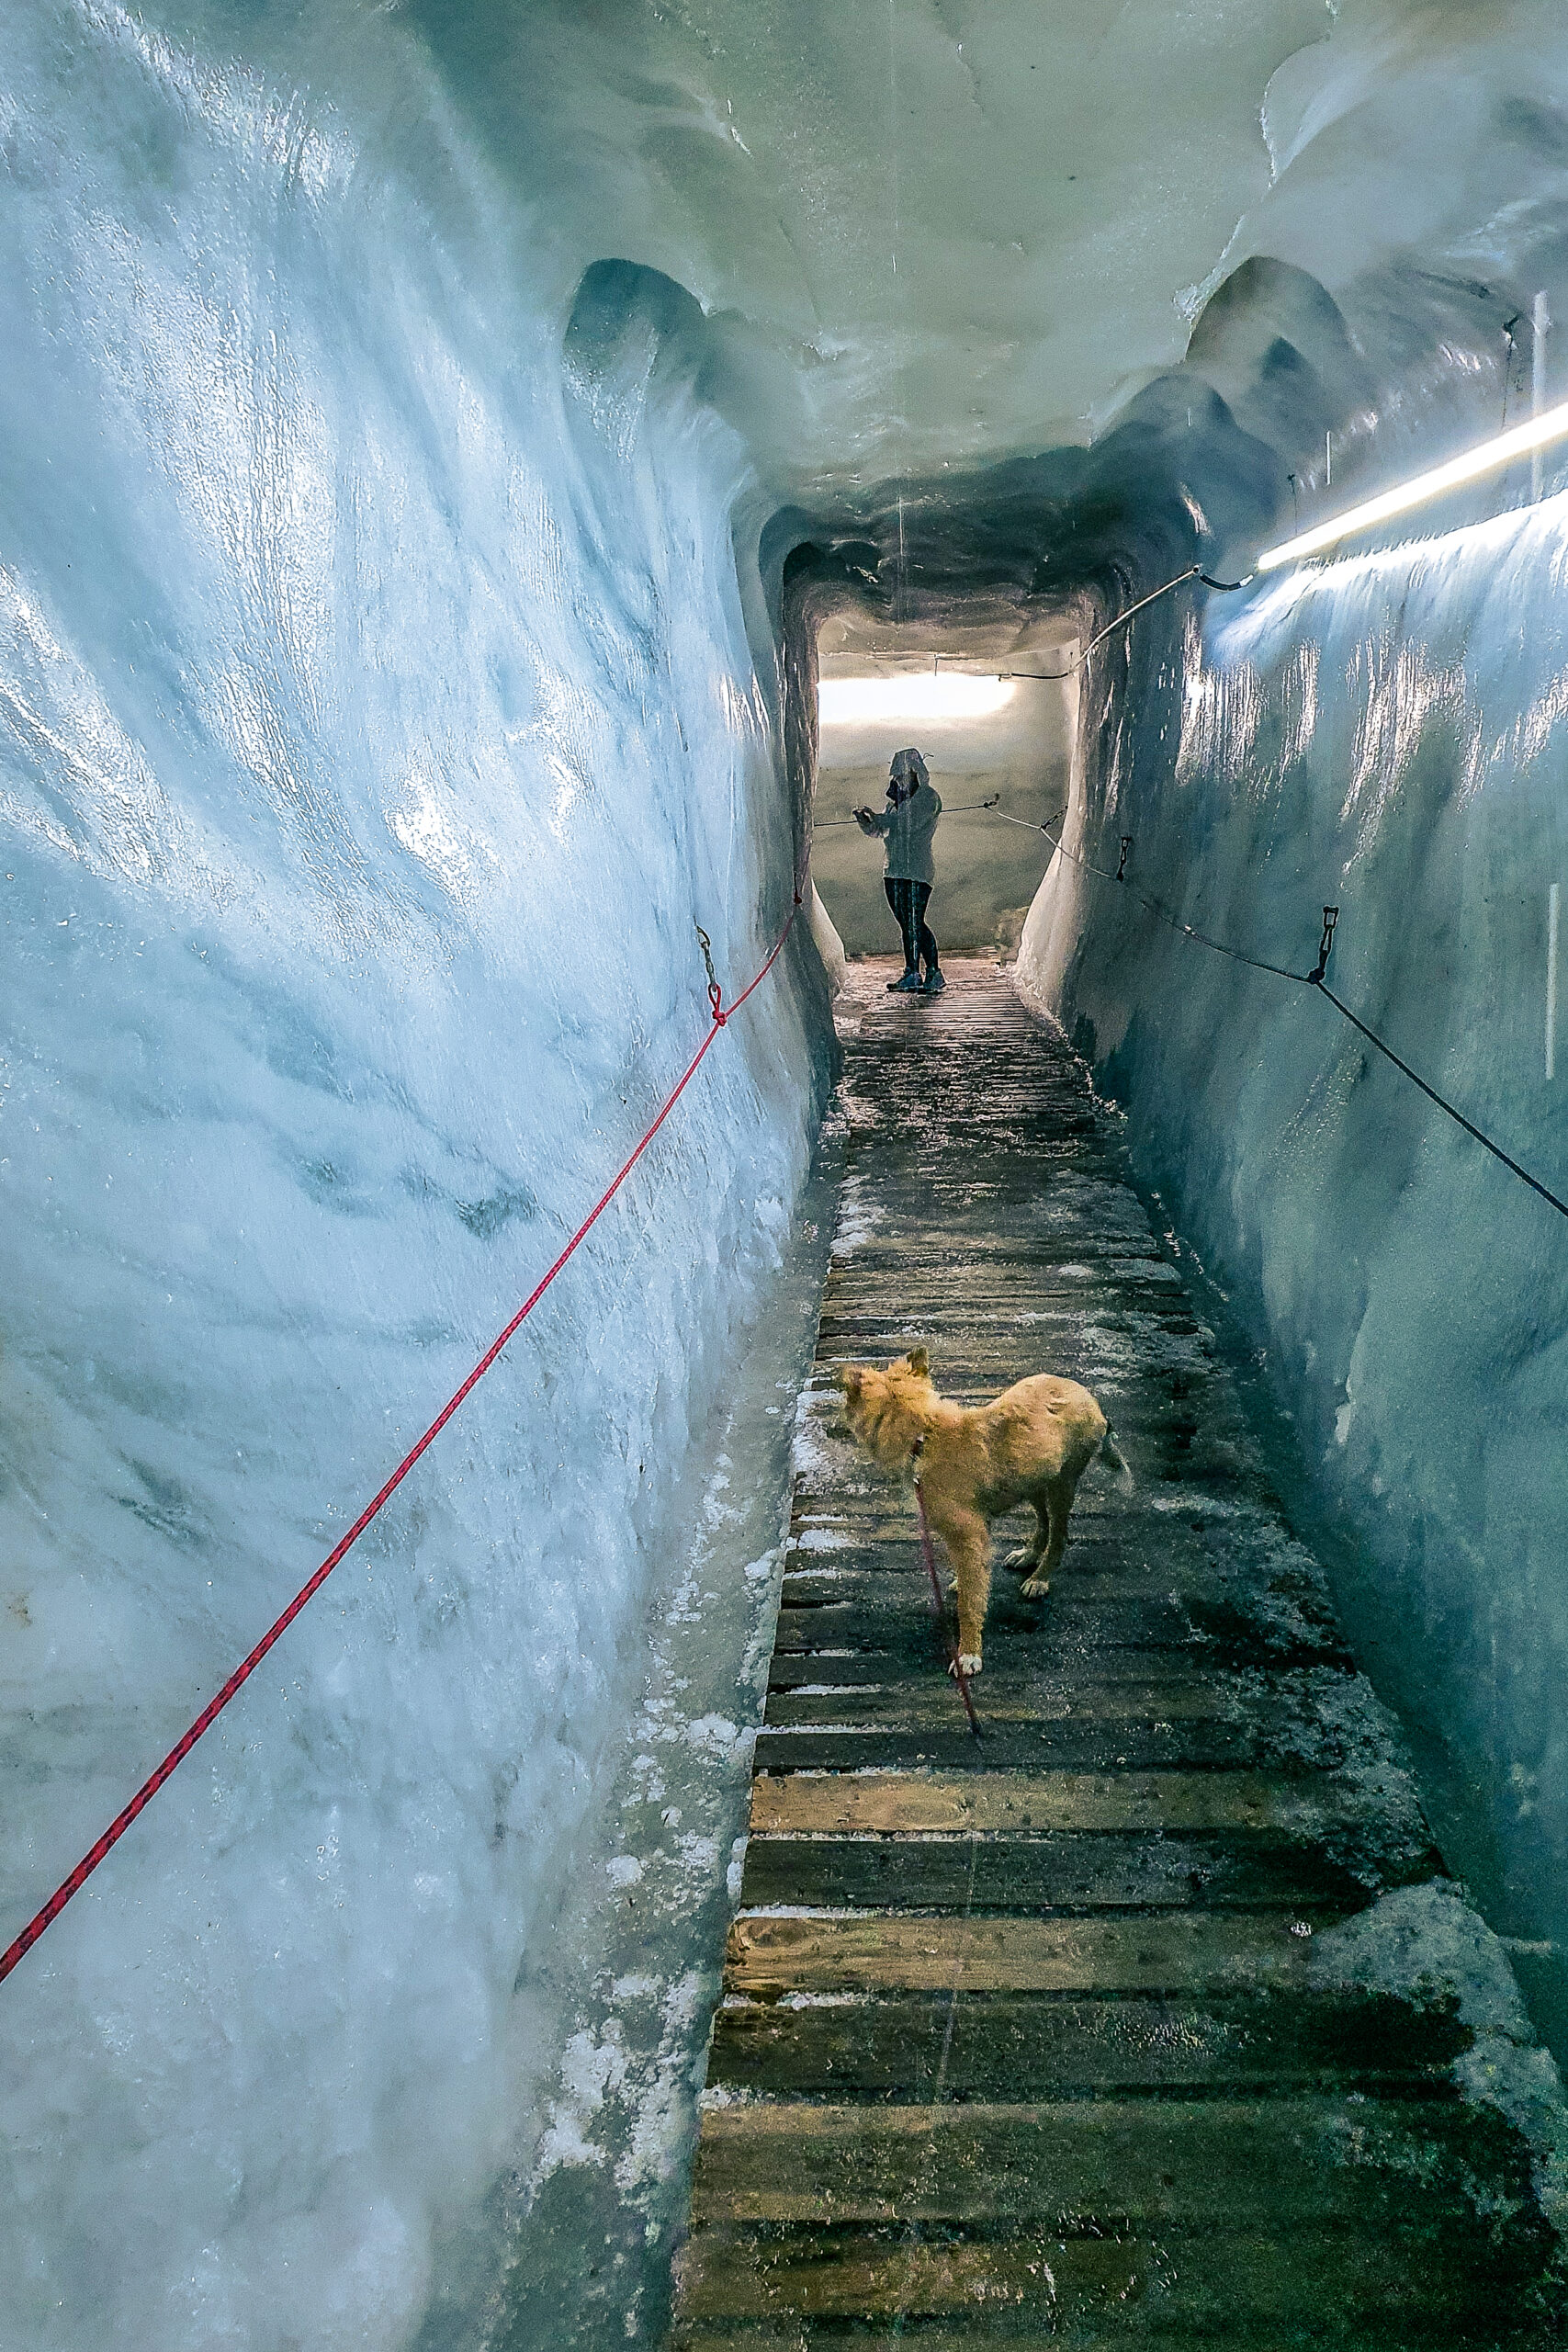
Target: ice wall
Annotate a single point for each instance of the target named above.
(376, 718)
(1388, 733)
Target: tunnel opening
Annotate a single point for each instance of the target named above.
(999, 748)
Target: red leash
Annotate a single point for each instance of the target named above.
(242, 1674)
(938, 1606)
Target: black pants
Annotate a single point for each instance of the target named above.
(908, 901)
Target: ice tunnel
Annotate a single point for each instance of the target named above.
(485, 490)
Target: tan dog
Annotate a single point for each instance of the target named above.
(1031, 1444)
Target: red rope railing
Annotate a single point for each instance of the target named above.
(243, 1672)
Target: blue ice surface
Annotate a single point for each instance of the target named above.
(1386, 732)
(376, 720)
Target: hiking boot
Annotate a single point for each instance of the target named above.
(907, 984)
(934, 984)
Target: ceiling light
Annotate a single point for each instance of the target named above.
(1552, 424)
(951, 693)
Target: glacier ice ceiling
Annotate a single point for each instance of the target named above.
(437, 438)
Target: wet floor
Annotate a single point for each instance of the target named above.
(1149, 2017)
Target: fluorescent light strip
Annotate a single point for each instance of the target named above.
(1552, 424)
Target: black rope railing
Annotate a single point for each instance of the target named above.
(1315, 978)
(1431, 1093)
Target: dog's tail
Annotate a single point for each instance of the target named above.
(1111, 1455)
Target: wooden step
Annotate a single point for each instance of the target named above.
(1107, 2164)
(1346, 2285)
(875, 2045)
(1162, 1952)
(885, 1613)
(934, 1804)
(941, 1738)
(1067, 1871)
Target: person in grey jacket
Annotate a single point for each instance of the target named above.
(906, 826)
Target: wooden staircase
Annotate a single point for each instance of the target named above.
(1139, 2021)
